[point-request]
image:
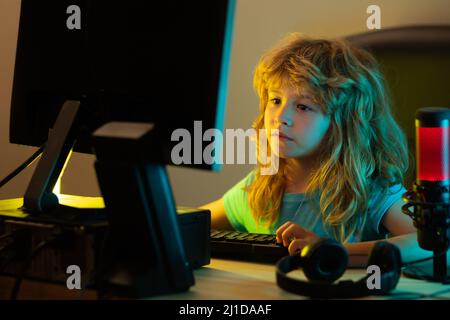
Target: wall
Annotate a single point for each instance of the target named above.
(258, 25)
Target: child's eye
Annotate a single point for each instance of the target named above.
(276, 100)
(303, 107)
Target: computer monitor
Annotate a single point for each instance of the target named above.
(163, 62)
(82, 64)
(148, 61)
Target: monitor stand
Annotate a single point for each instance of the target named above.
(40, 204)
(39, 197)
(143, 254)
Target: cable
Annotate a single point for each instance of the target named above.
(104, 256)
(22, 166)
(6, 235)
(416, 295)
(27, 264)
(420, 274)
(7, 254)
(10, 246)
(437, 293)
(407, 264)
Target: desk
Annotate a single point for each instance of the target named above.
(228, 280)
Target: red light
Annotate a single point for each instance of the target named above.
(432, 153)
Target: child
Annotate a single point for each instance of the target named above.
(342, 156)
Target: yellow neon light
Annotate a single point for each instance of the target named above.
(57, 188)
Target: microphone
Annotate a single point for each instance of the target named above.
(430, 197)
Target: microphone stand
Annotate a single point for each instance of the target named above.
(432, 220)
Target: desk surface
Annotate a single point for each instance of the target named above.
(226, 279)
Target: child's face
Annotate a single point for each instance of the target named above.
(301, 123)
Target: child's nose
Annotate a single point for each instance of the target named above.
(284, 115)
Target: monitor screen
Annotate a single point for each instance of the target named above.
(164, 62)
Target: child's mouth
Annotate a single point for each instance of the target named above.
(284, 137)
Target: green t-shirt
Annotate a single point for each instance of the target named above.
(305, 211)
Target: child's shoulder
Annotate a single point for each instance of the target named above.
(248, 179)
(383, 195)
(380, 187)
(240, 187)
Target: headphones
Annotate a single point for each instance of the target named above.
(326, 260)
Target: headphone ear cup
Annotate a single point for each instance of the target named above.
(324, 260)
(387, 257)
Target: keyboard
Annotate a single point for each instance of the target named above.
(253, 247)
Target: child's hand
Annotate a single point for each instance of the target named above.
(294, 236)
